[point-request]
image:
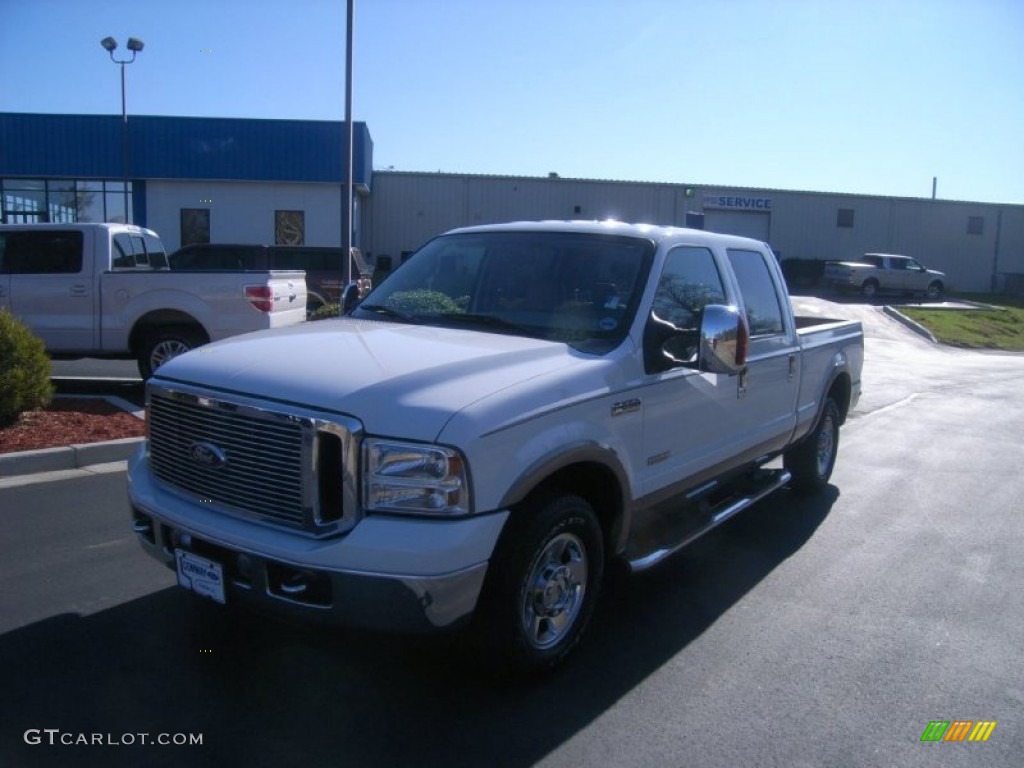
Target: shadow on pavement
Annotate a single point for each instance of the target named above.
(265, 693)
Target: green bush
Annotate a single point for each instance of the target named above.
(325, 311)
(421, 301)
(24, 370)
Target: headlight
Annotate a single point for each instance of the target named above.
(416, 478)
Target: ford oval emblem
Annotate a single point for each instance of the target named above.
(207, 455)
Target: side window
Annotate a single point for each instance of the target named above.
(124, 253)
(43, 253)
(688, 283)
(759, 294)
(139, 246)
(900, 264)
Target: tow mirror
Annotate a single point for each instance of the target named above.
(724, 339)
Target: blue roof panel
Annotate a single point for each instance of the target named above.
(89, 146)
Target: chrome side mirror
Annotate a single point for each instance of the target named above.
(724, 339)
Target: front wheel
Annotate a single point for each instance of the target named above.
(162, 345)
(934, 290)
(812, 461)
(543, 584)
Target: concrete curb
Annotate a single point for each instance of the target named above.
(67, 457)
(73, 456)
(917, 328)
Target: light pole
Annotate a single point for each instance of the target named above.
(135, 46)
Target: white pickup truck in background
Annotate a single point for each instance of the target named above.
(513, 407)
(104, 290)
(877, 272)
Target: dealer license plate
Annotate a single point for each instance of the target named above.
(199, 575)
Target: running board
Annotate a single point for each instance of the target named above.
(773, 480)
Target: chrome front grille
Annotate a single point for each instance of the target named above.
(249, 459)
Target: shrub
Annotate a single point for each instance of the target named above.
(421, 301)
(325, 311)
(24, 370)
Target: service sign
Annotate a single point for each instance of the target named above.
(737, 202)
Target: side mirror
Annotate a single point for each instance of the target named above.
(349, 298)
(724, 339)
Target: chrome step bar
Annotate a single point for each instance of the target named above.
(774, 479)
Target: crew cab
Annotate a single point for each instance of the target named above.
(877, 272)
(514, 407)
(103, 290)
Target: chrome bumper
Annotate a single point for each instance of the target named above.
(377, 601)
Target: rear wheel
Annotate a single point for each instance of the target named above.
(812, 461)
(163, 344)
(869, 289)
(542, 584)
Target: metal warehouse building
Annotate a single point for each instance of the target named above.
(267, 181)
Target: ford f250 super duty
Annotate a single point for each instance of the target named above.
(513, 407)
(103, 290)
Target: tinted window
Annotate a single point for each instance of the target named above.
(41, 253)
(760, 298)
(582, 289)
(689, 282)
(124, 252)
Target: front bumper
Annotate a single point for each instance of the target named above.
(393, 573)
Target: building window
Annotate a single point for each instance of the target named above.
(289, 228)
(62, 201)
(195, 225)
(845, 218)
(975, 225)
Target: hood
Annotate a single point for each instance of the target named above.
(398, 380)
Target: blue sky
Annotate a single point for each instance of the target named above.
(830, 95)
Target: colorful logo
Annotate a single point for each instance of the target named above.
(958, 730)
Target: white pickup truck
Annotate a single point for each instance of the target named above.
(513, 407)
(103, 290)
(876, 272)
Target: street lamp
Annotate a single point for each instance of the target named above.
(135, 46)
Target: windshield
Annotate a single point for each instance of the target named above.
(578, 288)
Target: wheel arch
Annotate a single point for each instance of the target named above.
(589, 471)
(163, 318)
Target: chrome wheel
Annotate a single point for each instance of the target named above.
(165, 350)
(554, 591)
(826, 445)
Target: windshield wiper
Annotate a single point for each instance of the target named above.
(380, 309)
(488, 321)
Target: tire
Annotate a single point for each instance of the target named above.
(869, 289)
(162, 345)
(934, 290)
(542, 585)
(812, 461)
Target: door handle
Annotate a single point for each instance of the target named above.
(78, 290)
(792, 367)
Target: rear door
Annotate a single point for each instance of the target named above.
(51, 287)
(768, 388)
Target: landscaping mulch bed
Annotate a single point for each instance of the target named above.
(67, 421)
